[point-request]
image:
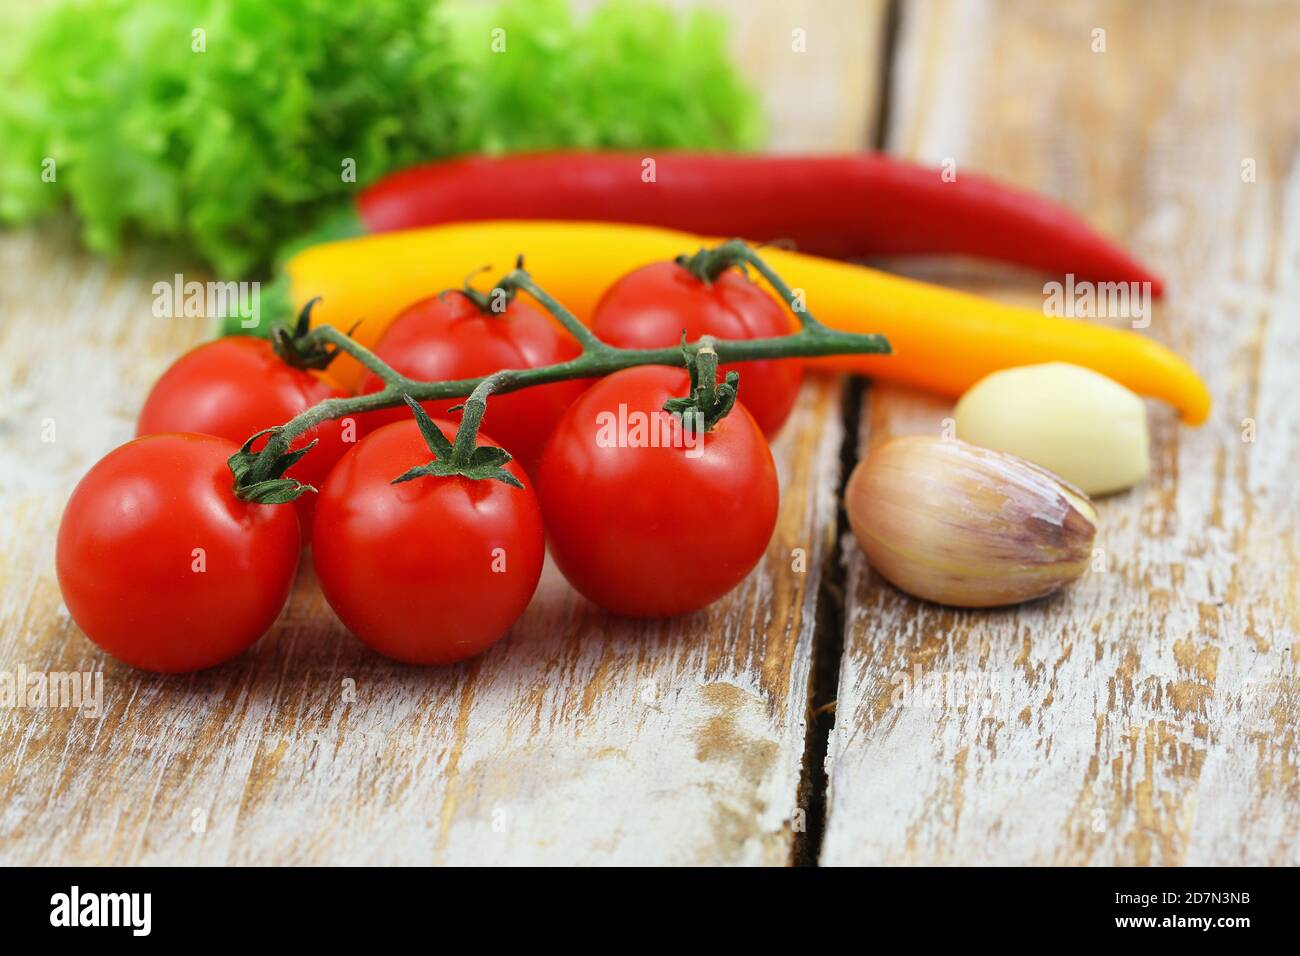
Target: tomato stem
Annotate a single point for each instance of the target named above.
(463, 458)
(471, 419)
(520, 281)
(492, 302)
(707, 402)
(598, 358)
(296, 347)
(708, 264)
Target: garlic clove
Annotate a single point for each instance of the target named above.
(1078, 423)
(957, 524)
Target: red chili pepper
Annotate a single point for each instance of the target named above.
(837, 206)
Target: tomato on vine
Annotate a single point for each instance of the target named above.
(704, 294)
(464, 333)
(177, 550)
(428, 562)
(657, 505)
(236, 386)
(163, 565)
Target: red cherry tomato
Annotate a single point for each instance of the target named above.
(654, 531)
(162, 566)
(448, 337)
(431, 570)
(649, 307)
(237, 386)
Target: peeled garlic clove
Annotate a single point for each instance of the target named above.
(1089, 429)
(957, 524)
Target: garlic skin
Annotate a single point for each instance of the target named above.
(957, 524)
(1089, 429)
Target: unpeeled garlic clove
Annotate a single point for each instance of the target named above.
(957, 524)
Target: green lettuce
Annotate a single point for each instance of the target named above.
(630, 75)
(227, 142)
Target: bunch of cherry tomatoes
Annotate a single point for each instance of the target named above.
(166, 568)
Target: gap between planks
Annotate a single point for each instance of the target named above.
(829, 629)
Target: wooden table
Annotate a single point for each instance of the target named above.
(1147, 716)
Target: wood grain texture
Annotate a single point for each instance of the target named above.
(1149, 714)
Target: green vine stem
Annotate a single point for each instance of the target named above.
(597, 359)
(707, 401)
(708, 264)
(493, 302)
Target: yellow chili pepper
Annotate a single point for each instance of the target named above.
(944, 341)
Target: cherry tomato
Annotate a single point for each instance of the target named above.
(649, 307)
(449, 337)
(162, 566)
(237, 386)
(431, 570)
(654, 530)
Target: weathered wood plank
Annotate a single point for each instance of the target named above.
(1147, 716)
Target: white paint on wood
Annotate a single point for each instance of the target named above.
(1149, 714)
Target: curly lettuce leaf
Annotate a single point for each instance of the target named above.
(226, 142)
(222, 139)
